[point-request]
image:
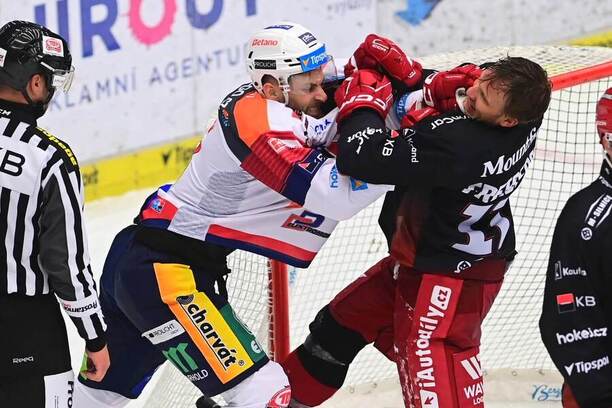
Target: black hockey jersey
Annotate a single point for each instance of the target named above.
(577, 310)
(454, 176)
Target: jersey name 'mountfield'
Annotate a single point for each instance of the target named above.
(504, 164)
(487, 193)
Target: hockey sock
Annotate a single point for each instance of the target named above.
(313, 380)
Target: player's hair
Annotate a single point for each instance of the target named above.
(526, 85)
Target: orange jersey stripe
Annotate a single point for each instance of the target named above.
(251, 116)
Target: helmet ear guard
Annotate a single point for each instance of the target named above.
(283, 50)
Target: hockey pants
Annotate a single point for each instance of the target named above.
(429, 324)
(159, 308)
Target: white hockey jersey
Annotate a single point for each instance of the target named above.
(253, 183)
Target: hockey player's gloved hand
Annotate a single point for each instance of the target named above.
(414, 116)
(364, 89)
(439, 89)
(384, 55)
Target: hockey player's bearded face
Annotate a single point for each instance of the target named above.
(307, 94)
(486, 101)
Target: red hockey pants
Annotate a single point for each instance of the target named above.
(429, 324)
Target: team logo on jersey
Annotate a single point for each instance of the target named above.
(583, 367)
(563, 271)
(567, 302)
(312, 162)
(358, 185)
(333, 177)
(586, 233)
(307, 222)
(598, 212)
(157, 205)
(462, 266)
(579, 335)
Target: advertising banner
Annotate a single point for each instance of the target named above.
(152, 71)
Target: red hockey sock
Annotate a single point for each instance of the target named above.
(305, 388)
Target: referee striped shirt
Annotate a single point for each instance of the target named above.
(42, 231)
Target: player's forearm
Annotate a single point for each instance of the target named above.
(369, 152)
(338, 196)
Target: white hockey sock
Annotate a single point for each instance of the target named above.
(86, 397)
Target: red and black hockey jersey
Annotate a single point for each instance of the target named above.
(454, 176)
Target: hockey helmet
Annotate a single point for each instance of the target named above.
(282, 50)
(27, 49)
(603, 116)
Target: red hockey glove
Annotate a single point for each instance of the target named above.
(364, 89)
(439, 88)
(414, 116)
(384, 55)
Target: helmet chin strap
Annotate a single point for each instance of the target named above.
(285, 87)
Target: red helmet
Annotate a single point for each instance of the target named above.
(603, 116)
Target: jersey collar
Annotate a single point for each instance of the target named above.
(606, 174)
(19, 111)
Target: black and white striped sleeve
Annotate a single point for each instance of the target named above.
(64, 252)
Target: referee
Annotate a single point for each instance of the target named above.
(43, 248)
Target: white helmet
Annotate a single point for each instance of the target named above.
(282, 50)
